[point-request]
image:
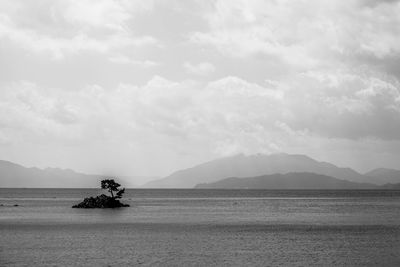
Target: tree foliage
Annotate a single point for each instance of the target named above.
(111, 186)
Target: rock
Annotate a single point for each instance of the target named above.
(101, 202)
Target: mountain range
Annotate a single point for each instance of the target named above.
(293, 180)
(385, 175)
(241, 166)
(15, 175)
(253, 167)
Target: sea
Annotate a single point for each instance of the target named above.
(201, 227)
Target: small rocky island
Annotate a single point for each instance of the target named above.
(104, 201)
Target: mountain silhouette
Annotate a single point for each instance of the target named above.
(15, 175)
(301, 180)
(254, 165)
(384, 175)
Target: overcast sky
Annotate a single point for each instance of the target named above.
(149, 87)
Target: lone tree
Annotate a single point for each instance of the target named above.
(111, 186)
(104, 201)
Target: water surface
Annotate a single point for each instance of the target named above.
(201, 227)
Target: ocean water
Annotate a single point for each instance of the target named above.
(201, 228)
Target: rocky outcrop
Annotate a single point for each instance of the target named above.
(101, 202)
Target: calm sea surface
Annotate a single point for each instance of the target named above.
(201, 228)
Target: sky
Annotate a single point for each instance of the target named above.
(150, 87)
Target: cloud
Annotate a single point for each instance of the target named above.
(237, 76)
(121, 59)
(100, 14)
(203, 68)
(72, 27)
(222, 117)
(305, 35)
(350, 106)
(33, 114)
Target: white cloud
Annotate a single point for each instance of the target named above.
(226, 116)
(347, 104)
(354, 106)
(203, 68)
(121, 59)
(302, 34)
(95, 26)
(31, 113)
(104, 14)
(295, 76)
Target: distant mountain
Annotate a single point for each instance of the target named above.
(301, 180)
(384, 175)
(14, 175)
(391, 186)
(251, 166)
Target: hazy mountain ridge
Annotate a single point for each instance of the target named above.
(239, 166)
(391, 186)
(256, 165)
(294, 180)
(387, 176)
(15, 175)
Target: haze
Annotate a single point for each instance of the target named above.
(150, 87)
